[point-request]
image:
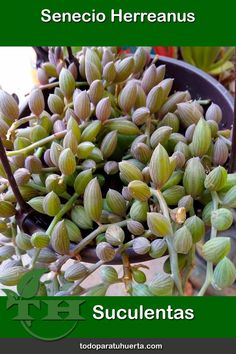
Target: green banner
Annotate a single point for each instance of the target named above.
(51, 318)
(92, 22)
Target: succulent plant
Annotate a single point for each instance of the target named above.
(118, 161)
(213, 60)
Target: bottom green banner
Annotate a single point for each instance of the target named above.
(54, 318)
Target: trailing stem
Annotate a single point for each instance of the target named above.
(37, 187)
(55, 84)
(39, 143)
(18, 123)
(209, 271)
(35, 258)
(127, 273)
(62, 212)
(148, 129)
(14, 232)
(90, 271)
(189, 266)
(169, 240)
(83, 243)
(56, 266)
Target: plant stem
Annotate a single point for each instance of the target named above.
(14, 233)
(90, 271)
(37, 144)
(44, 190)
(39, 152)
(169, 240)
(148, 129)
(35, 257)
(126, 245)
(78, 168)
(56, 266)
(3, 157)
(37, 187)
(130, 243)
(68, 105)
(209, 271)
(56, 169)
(55, 84)
(174, 264)
(54, 285)
(65, 195)
(50, 169)
(83, 243)
(18, 123)
(64, 210)
(189, 266)
(204, 102)
(127, 273)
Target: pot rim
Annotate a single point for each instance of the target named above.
(220, 88)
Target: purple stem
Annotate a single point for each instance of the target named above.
(72, 58)
(23, 205)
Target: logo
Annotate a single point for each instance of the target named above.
(46, 318)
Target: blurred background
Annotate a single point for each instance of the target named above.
(17, 72)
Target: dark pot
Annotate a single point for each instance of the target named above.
(201, 86)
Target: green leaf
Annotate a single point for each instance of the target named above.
(210, 54)
(28, 285)
(220, 69)
(198, 56)
(205, 58)
(187, 55)
(228, 54)
(12, 297)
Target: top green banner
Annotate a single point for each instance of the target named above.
(117, 22)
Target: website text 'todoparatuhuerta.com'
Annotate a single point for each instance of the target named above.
(120, 346)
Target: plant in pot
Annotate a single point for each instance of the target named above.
(113, 166)
(217, 61)
(213, 60)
